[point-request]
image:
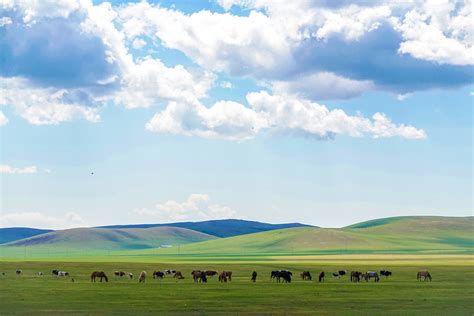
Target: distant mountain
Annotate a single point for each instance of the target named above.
(114, 239)
(416, 234)
(220, 228)
(17, 233)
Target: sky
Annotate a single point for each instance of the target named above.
(320, 112)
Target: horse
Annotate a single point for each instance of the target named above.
(306, 275)
(282, 274)
(355, 276)
(40, 274)
(63, 274)
(223, 277)
(385, 273)
(18, 272)
(99, 274)
(321, 276)
(254, 276)
(199, 275)
(158, 275)
(210, 273)
(423, 274)
(119, 274)
(371, 274)
(178, 275)
(227, 275)
(142, 277)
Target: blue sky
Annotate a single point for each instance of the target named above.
(325, 113)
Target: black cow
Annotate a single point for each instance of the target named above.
(158, 275)
(385, 273)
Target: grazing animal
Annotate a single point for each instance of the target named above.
(356, 276)
(385, 273)
(226, 275)
(423, 274)
(210, 273)
(321, 276)
(119, 274)
(199, 276)
(336, 275)
(63, 274)
(130, 275)
(142, 277)
(40, 274)
(254, 276)
(169, 271)
(99, 274)
(371, 274)
(282, 274)
(306, 275)
(55, 272)
(341, 272)
(223, 277)
(18, 272)
(158, 275)
(178, 275)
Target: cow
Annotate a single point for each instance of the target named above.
(158, 275)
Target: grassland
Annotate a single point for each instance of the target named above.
(444, 246)
(450, 292)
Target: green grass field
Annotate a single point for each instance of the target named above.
(451, 291)
(406, 245)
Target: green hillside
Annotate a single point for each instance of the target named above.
(112, 239)
(404, 235)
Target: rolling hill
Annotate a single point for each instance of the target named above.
(219, 228)
(17, 233)
(113, 239)
(397, 235)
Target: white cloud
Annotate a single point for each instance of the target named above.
(3, 119)
(322, 85)
(15, 170)
(279, 113)
(196, 207)
(42, 106)
(403, 97)
(226, 85)
(40, 220)
(5, 21)
(147, 81)
(150, 81)
(438, 31)
(351, 22)
(138, 43)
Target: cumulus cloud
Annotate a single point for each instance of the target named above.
(42, 106)
(196, 207)
(16, 170)
(72, 58)
(279, 113)
(40, 220)
(439, 31)
(3, 119)
(323, 85)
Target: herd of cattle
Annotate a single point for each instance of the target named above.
(202, 276)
